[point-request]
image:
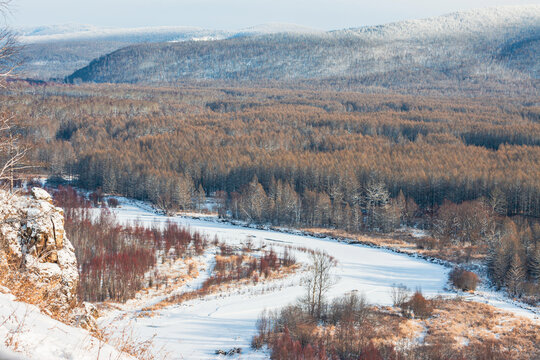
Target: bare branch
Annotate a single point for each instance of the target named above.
(11, 152)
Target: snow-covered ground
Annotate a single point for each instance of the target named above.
(38, 337)
(195, 329)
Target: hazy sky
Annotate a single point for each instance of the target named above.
(235, 14)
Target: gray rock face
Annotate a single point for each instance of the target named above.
(33, 244)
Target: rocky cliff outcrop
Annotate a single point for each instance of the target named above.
(34, 250)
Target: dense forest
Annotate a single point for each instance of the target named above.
(466, 169)
(165, 190)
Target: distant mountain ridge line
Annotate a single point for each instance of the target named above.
(494, 48)
(32, 34)
(86, 32)
(458, 50)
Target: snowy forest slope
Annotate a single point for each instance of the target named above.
(487, 47)
(56, 51)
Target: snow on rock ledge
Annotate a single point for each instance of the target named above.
(33, 244)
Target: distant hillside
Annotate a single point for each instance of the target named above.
(73, 32)
(58, 50)
(474, 47)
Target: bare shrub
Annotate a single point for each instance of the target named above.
(299, 323)
(225, 250)
(263, 330)
(295, 334)
(112, 202)
(418, 306)
(96, 197)
(116, 261)
(427, 243)
(399, 294)
(463, 279)
(349, 308)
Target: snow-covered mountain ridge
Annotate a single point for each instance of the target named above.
(493, 50)
(88, 32)
(55, 51)
(71, 32)
(457, 23)
(487, 50)
(478, 20)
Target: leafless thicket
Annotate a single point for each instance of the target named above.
(11, 151)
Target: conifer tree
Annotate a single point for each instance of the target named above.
(200, 197)
(515, 276)
(534, 263)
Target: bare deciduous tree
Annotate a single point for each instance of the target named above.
(11, 151)
(497, 202)
(184, 192)
(399, 294)
(376, 199)
(8, 45)
(318, 282)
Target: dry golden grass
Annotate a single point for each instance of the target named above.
(408, 244)
(390, 328)
(44, 296)
(126, 342)
(381, 240)
(460, 322)
(458, 329)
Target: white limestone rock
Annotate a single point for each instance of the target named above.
(33, 242)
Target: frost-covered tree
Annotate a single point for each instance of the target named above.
(254, 201)
(497, 202)
(382, 213)
(185, 191)
(515, 276)
(498, 261)
(200, 197)
(283, 203)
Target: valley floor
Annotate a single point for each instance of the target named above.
(195, 329)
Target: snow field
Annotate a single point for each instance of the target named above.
(196, 328)
(39, 337)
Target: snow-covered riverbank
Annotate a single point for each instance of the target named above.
(195, 329)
